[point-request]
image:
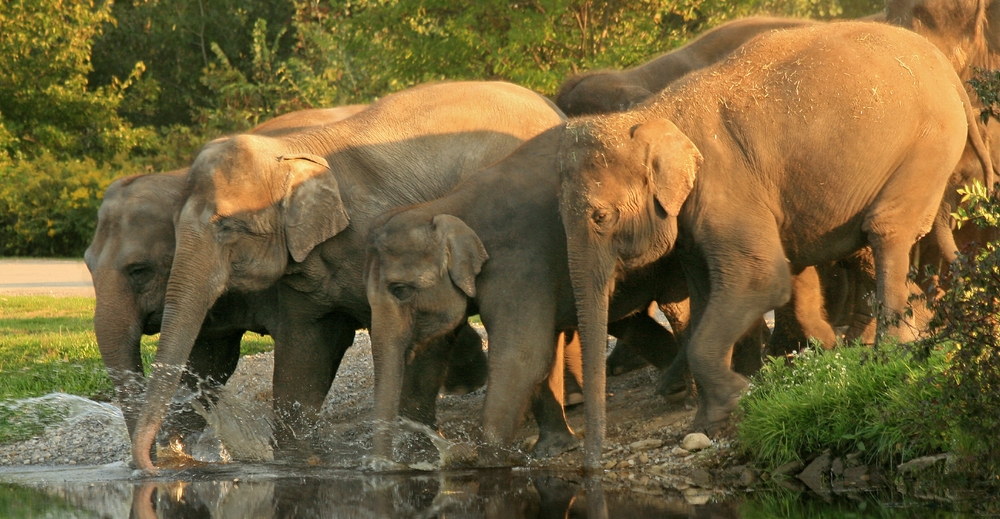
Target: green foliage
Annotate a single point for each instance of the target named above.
(967, 320)
(45, 103)
(48, 207)
(844, 400)
(174, 38)
(986, 84)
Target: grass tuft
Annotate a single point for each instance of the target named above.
(848, 400)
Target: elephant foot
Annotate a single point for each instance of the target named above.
(624, 359)
(554, 444)
(573, 399)
(674, 389)
(713, 413)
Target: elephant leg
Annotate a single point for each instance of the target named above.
(675, 380)
(724, 306)
(521, 355)
(891, 268)
(802, 318)
(807, 299)
(573, 375)
(212, 361)
(654, 343)
(468, 365)
(422, 380)
(747, 351)
(554, 434)
(307, 354)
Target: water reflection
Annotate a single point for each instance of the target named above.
(274, 492)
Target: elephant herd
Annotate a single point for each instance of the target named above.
(770, 164)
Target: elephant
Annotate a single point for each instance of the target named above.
(293, 212)
(129, 260)
(495, 246)
(798, 149)
(614, 91)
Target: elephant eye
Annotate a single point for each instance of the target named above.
(139, 273)
(600, 216)
(401, 291)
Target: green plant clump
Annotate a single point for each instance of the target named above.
(848, 400)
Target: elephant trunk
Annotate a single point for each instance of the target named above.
(592, 269)
(118, 324)
(197, 279)
(389, 348)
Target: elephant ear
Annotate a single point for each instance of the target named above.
(672, 162)
(466, 253)
(313, 209)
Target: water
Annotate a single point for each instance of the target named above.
(276, 491)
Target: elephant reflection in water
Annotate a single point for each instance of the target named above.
(489, 494)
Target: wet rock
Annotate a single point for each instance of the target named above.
(696, 442)
(837, 467)
(790, 484)
(856, 478)
(814, 475)
(788, 469)
(645, 445)
(701, 477)
(921, 464)
(748, 477)
(697, 496)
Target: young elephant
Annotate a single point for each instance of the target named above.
(807, 144)
(129, 260)
(294, 211)
(608, 91)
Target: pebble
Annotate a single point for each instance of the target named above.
(696, 442)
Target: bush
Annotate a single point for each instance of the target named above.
(48, 207)
(966, 324)
(847, 400)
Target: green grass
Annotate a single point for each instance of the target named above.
(847, 400)
(47, 345)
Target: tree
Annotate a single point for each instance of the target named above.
(45, 102)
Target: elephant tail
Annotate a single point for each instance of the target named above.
(978, 143)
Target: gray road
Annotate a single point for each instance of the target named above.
(45, 277)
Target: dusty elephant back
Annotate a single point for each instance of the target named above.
(606, 91)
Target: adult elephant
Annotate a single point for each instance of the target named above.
(296, 209)
(129, 260)
(606, 91)
(780, 136)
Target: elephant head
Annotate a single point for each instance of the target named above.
(599, 92)
(421, 273)
(966, 31)
(129, 260)
(250, 206)
(623, 183)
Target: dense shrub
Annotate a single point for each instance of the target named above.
(966, 328)
(48, 207)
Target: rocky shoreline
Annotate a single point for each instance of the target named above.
(647, 449)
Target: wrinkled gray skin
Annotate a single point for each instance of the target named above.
(608, 91)
(968, 33)
(494, 246)
(295, 211)
(771, 190)
(129, 260)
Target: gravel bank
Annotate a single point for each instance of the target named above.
(642, 451)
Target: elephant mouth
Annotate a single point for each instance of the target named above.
(152, 322)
